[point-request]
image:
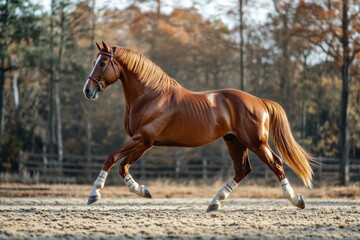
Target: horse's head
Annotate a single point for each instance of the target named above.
(104, 73)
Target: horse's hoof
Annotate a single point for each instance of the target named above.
(147, 193)
(213, 207)
(93, 199)
(301, 202)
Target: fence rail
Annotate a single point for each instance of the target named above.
(82, 169)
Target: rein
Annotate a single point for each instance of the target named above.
(100, 82)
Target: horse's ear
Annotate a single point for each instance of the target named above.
(106, 47)
(98, 46)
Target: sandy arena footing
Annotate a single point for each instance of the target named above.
(135, 218)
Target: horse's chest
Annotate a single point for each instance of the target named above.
(132, 123)
(148, 117)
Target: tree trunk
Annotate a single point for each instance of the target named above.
(88, 145)
(2, 72)
(241, 47)
(50, 138)
(57, 86)
(17, 108)
(303, 96)
(345, 97)
(2, 80)
(285, 80)
(158, 7)
(284, 71)
(58, 121)
(89, 107)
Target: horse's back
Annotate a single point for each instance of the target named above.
(193, 122)
(201, 117)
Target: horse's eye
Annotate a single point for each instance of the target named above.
(102, 64)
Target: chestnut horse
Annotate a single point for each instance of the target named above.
(160, 112)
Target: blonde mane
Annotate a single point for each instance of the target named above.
(147, 71)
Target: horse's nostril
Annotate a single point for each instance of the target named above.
(87, 91)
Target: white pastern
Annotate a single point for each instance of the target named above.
(134, 186)
(99, 183)
(224, 192)
(95, 192)
(288, 191)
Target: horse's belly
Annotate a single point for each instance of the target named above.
(180, 142)
(192, 134)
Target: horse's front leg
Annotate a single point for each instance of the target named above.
(131, 150)
(98, 184)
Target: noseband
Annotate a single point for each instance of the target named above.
(100, 82)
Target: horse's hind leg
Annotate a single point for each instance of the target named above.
(274, 162)
(133, 186)
(239, 154)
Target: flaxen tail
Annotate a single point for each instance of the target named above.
(293, 154)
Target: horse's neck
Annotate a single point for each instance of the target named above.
(133, 89)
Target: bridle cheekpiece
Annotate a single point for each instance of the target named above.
(100, 82)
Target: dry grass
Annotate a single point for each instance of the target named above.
(169, 189)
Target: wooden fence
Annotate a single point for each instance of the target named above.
(82, 169)
(79, 169)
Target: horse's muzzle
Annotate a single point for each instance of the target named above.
(91, 93)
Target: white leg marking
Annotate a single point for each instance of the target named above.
(224, 192)
(134, 186)
(92, 71)
(288, 191)
(99, 183)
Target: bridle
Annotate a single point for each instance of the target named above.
(100, 81)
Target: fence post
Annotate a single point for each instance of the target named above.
(320, 171)
(87, 167)
(45, 165)
(45, 160)
(21, 163)
(204, 168)
(177, 166)
(88, 146)
(142, 168)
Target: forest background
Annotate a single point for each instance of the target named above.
(302, 54)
